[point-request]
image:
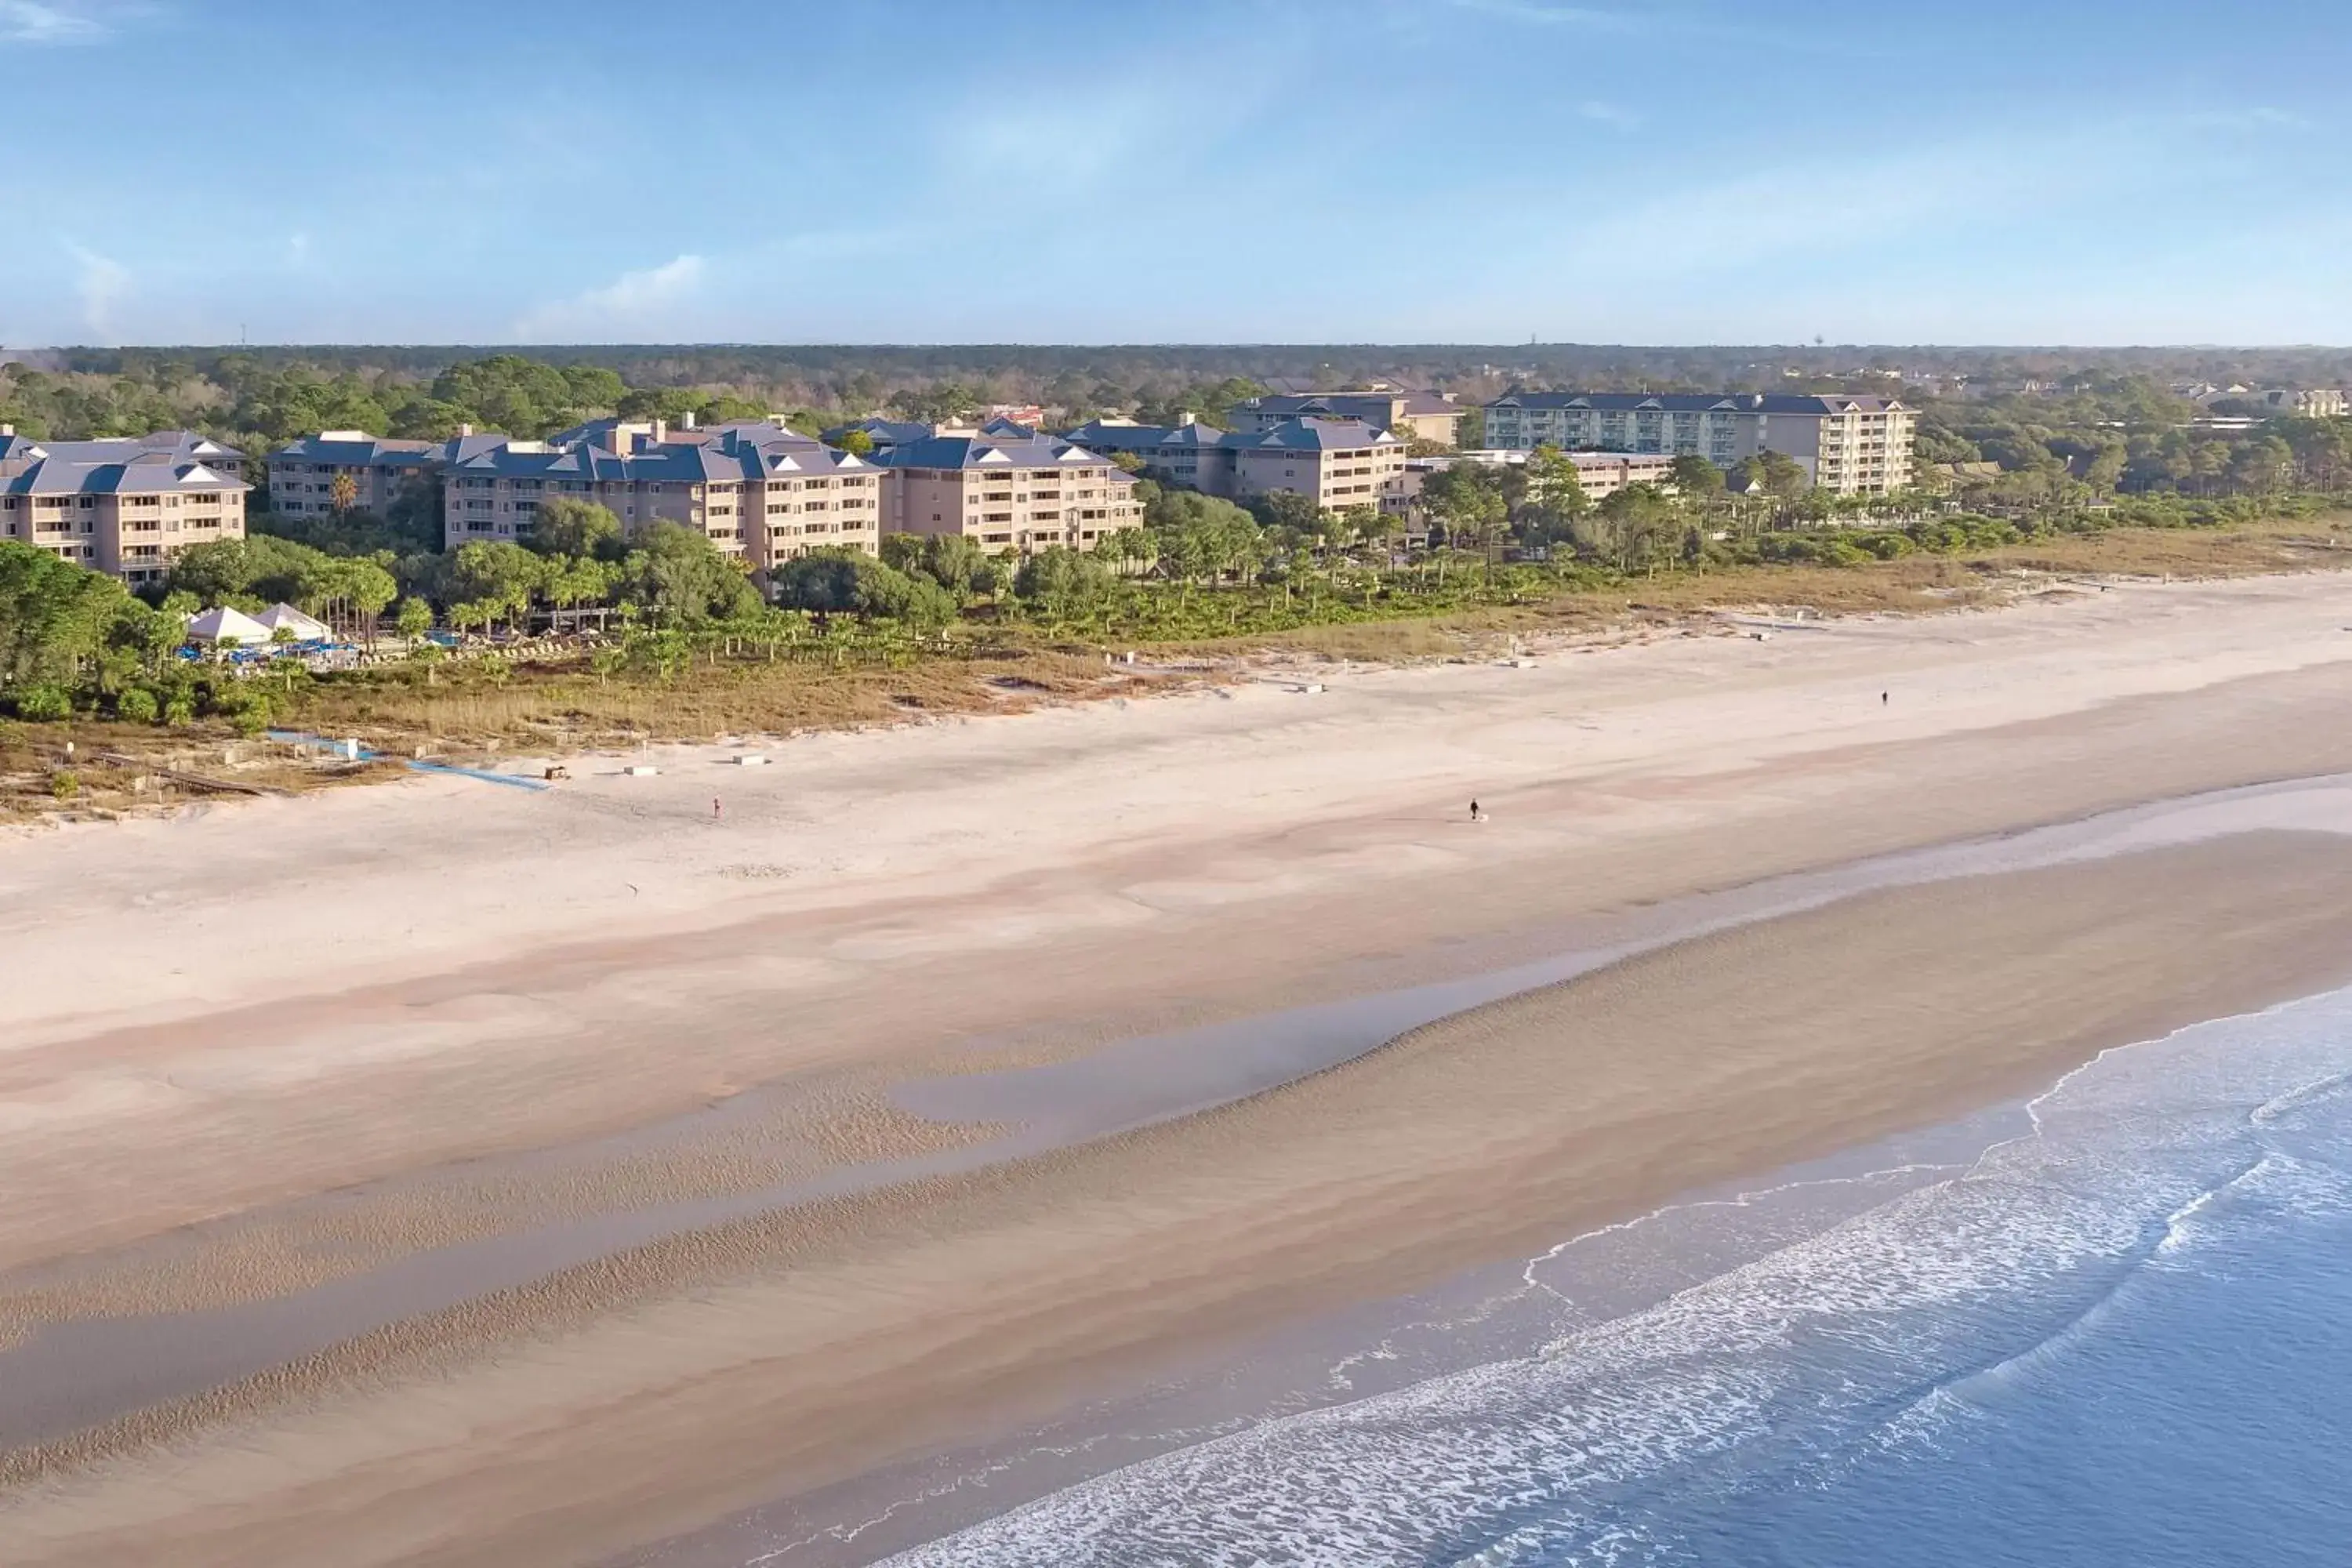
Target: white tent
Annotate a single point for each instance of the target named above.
(304, 627)
(226, 625)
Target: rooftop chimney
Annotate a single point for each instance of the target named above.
(686, 421)
(6, 430)
(464, 430)
(661, 431)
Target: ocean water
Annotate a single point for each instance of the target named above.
(2118, 1333)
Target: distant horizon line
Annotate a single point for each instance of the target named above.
(491, 345)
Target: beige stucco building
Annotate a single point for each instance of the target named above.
(1007, 494)
(1852, 446)
(1597, 474)
(125, 506)
(302, 473)
(761, 493)
(1410, 415)
(1338, 463)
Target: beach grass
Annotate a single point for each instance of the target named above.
(466, 710)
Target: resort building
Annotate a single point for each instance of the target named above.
(1848, 445)
(1020, 494)
(2303, 403)
(1338, 462)
(126, 505)
(1193, 455)
(302, 474)
(1602, 474)
(1599, 474)
(760, 492)
(884, 434)
(1410, 415)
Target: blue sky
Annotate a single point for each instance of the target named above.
(1613, 171)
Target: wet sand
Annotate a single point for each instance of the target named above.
(196, 1123)
(818, 1342)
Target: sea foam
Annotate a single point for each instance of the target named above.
(1875, 1333)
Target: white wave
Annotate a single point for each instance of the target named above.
(1807, 1349)
(2301, 1098)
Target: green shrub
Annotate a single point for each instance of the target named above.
(44, 703)
(65, 783)
(180, 710)
(137, 705)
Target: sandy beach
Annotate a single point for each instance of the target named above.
(470, 1175)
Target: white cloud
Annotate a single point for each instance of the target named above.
(1602, 114)
(297, 248)
(50, 22)
(635, 303)
(101, 283)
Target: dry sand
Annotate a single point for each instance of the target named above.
(219, 1020)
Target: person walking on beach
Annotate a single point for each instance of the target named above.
(714, 808)
(1476, 814)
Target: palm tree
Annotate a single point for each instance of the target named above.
(342, 493)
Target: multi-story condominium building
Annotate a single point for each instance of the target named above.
(1196, 455)
(1599, 474)
(302, 473)
(1336, 463)
(1339, 462)
(884, 434)
(1010, 494)
(760, 492)
(1850, 444)
(2305, 403)
(1411, 415)
(124, 506)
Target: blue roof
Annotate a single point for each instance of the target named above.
(183, 446)
(365, 452)
(976, 451)
(49, 475)
(1336, 404)
(884, 432)
(731, 458)
(1137, 437)
(1298, 435)
(1315, 434)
